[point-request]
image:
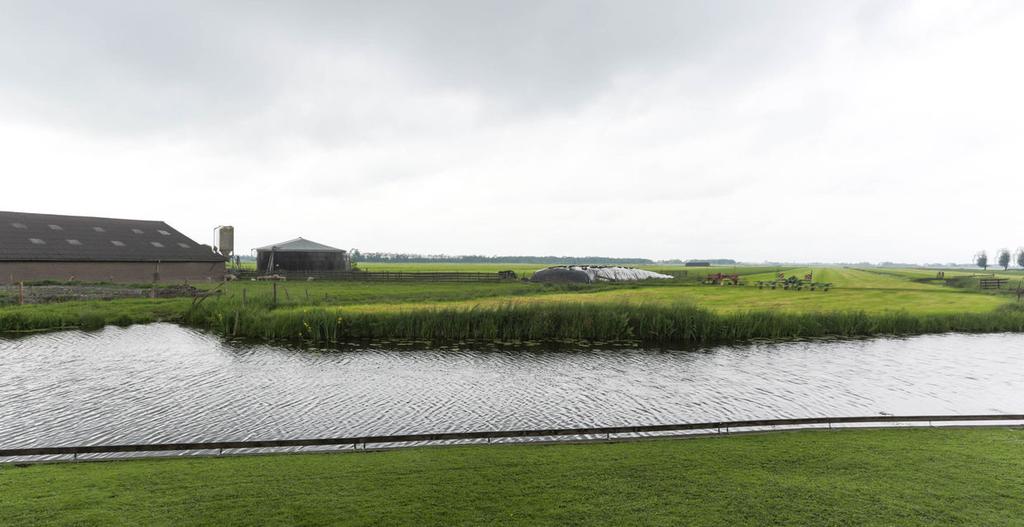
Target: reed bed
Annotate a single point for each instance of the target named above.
(675, 324)
(91, 314)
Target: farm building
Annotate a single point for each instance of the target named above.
(52, 247)
(300, 255)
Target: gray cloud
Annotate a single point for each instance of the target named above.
(132, 68)
(666, 128)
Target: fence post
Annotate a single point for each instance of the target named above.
(21, 293)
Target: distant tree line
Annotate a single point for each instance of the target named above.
(379, 257)
(1003, 258)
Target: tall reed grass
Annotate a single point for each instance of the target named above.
(674, 324)
(91, 314)
(679, 324)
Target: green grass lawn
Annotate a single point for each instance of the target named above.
(729, 299)
(852, 477)
(855, 290)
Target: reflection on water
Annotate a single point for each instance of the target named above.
(162, 382)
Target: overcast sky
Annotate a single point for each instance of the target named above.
(793, 131)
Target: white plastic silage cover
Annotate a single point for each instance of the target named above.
(618, 274)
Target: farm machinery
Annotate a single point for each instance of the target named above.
(722, 279)
(792, 282)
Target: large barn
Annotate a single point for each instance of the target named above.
(300, 255)
(51, 247)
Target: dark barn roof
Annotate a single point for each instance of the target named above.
(49, 237)
(300, 245)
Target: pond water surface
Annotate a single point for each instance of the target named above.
(161, 382)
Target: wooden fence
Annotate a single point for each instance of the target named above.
(606, 432)
(992, 283)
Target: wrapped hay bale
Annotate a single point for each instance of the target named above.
(584, 274)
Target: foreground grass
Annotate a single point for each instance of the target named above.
(862, 477)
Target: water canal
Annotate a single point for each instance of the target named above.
(161, 383)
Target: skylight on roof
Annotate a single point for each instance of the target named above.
(117, 243)
(73, 242)
(156, 244)
(165, 233)
(37, 241)
(56, 228)
(137, 231)
(183, 245)
(19, 225)
(99, 229)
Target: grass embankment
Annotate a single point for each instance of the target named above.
(92, 314)
(672, 312)
(853, 477)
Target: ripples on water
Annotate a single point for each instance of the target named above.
(161, 382)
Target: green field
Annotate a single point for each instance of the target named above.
(852, 477)
(855, 290)
(862, 302)
(520, 269)
(527, 270)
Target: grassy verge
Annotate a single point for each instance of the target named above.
(862, 477)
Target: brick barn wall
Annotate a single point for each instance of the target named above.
(118, 272)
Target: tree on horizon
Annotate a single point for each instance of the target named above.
(1004, 258)
(981, 260)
